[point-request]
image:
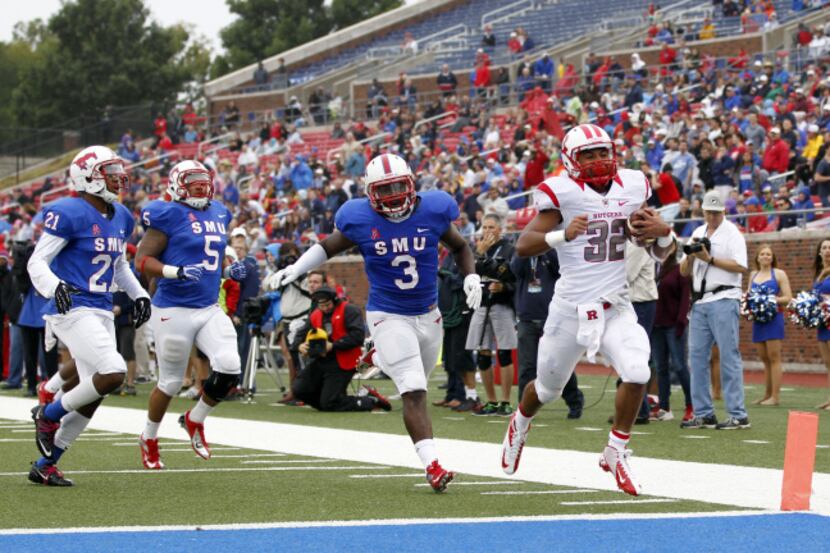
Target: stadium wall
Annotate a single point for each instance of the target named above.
(795, 252)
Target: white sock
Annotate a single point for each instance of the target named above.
(71, 427)
(470, 393)
(151, 430)
(618, 440)
(200, 412)
(522, 421)
(82, 394)
(54, 383)
(427, 451)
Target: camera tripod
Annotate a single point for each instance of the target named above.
(260, 355)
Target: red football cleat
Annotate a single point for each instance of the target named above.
(616, 462)
(150, 457)
(44, 396)
(196, 431)
(438, 477)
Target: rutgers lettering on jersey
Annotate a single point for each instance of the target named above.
(94, 243)
(401, 258)
(592, 264)
(194, 237)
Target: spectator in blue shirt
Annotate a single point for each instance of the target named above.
(231, 194)
(301, 175)
(248, 288)
(543, 71)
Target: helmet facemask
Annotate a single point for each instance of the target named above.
(596, 172)
(113, 180)
(194, 187)
(393, 198)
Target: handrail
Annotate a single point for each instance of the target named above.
(431, 119)
(43, 196)
(480, 154)
(244, 180)
(465, 30)
(211, 141)
(485, 18)
(331, 153)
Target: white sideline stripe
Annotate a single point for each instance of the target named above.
(93, 438)
(741, 486)
(617, 502)
(264, 461)
(823, 446)
(388, 522)
(212, 448)
(538, 492)
(633, 433)
(246, 455)
(540, 426)
(453, 418)
(219, 469)
(419, 475)
(11, 426)
(588, 429)
(755, 442)
(693, 437)
(484, 483)
(135, 443)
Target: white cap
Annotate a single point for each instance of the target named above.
(763, 78)
(712, 201)
(239, 231)
(812, 128)
(775, 130)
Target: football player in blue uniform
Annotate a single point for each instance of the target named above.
(184, 248)
(77, 263)
(397, 231)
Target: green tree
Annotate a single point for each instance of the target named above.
(95, 53)
(264, 28)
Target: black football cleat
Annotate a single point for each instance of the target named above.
(49, 476)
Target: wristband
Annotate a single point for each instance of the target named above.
(170, 271)
(666, 241)
(555, 237)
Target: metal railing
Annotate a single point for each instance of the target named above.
(431, 119)
(493, 17)
(212, 141)
(374, 138)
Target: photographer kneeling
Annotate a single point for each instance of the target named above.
(332, 338)
(716, 260)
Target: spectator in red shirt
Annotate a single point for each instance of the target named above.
(189, 116)
(665, 185)
(777, 155)
(160, 125)
(668, 55)
(513, 44)
(535, 170)
(482, 75)
(165, 144)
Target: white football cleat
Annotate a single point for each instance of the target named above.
(511, 449)
(616, 462)
(196, 430)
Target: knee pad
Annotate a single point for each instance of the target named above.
(227, 362)
(484, 362)
(505, 357)
(174, 352)
(219, 384)
(168, 384)
(545, 394)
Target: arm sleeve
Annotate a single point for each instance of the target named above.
(354, 330)
(126, 279)
(43, 279)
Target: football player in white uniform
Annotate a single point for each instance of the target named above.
(587, 216)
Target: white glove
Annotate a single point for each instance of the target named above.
(472, 289)
(282, 278)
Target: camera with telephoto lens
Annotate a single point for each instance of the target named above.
(495, 268)
(285, 261)
(316, 339)
(697, 245)
(255, 309)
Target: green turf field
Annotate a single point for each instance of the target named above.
(241, 485)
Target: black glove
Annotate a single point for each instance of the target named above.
(63, 297)
(141, 311)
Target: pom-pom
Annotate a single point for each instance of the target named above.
(759, 305)
(806, 310)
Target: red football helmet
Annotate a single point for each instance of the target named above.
(598, 172)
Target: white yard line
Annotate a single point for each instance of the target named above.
(211, 469)
(483, 483)
(617, 502)
(712, 483)
(539, 492)
(418, 475)
(283, 461)
(761, 442)
(246, 455)
(182, 449)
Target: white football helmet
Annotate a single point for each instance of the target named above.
(96, 170)
(390, 186)
(190, 182)
(588, 137)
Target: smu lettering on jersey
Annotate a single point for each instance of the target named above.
(593, 264)
(94, 243)
(194, 237)
(401, 258)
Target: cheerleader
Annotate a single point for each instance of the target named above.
(768, 335)
(822, 286)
